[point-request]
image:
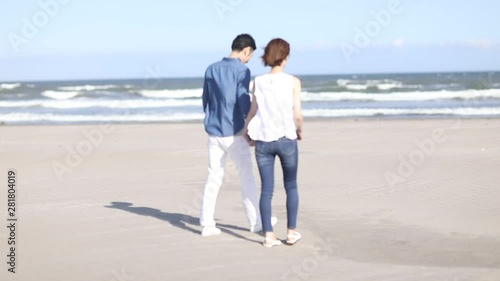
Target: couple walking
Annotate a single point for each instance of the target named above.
(271, 121)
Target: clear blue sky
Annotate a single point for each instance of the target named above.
(123, 38)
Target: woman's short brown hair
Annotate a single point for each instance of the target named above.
(276, 52)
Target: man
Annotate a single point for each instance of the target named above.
(226, 102)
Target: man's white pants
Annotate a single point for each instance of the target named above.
(238, 150)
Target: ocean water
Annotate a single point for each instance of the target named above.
(435, 95)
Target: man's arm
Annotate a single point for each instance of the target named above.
(243, 97)
(205, 94)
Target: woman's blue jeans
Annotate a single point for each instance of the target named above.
(287, 151)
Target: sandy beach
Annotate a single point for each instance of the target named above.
(391, 200)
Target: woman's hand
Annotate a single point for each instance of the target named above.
(248, 139)
(299, 135)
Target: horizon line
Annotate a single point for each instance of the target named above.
(201, 77)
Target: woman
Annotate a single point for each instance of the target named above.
(274, 125)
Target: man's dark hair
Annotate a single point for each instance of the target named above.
(243, 41)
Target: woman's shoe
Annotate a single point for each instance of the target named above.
(293, 238)
(258, 228)
(270, 242)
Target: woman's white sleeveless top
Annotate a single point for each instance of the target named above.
(274, 118)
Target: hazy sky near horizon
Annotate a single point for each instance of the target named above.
(76, 39)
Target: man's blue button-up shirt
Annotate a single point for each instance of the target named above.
(226, 98)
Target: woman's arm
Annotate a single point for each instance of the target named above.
(253, 111)
(297, 107)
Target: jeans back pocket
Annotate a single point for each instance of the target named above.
(288, 147)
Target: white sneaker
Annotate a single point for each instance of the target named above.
(210, 231)
(258, 228)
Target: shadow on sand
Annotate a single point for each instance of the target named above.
(181, 221)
